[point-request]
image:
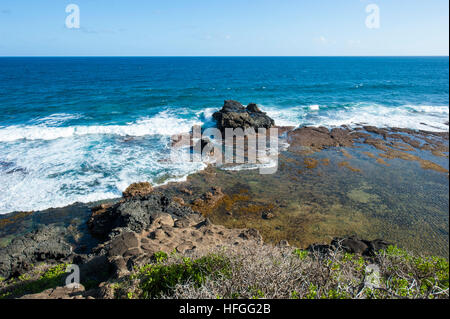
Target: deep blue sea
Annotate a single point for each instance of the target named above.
(83, 129)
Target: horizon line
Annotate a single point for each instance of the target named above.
(208, 56)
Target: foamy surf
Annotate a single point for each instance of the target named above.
(40, 174)
(164, 123)
(50, 165)
(419, 117)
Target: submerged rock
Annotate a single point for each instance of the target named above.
(208, 201)
(234, 115)
(320, 137)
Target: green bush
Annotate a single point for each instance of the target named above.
(51, 278)
(156, 279)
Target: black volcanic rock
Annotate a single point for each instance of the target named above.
(46, 244)
(134, 214)
(234, 115)
(253, 108)
(353, 245)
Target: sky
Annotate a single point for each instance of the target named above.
(224, 28)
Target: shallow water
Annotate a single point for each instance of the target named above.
(316, 201)
(313, 197)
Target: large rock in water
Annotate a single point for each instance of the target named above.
(234, 115)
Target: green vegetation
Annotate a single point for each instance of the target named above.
(256, 272)
(431, 274)
(271, 272)
(25, 284)
(302, 254)
(158, 278)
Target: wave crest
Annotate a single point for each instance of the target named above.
(164, 123)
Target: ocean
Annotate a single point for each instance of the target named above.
(83, 129)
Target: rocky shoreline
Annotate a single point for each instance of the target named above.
(108, 241)
(131, 232)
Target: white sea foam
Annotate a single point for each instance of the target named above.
(205, 116)
(425, 117)
(285, 116)
(40, 174)
(44, 165)
(164, 123)
(419, 117)
(56, 119)
(251, 166)
(429, 109)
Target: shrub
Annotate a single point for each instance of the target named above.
(25, 284)
(158, 278)
(275, 272)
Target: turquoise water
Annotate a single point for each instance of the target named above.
(82, 129)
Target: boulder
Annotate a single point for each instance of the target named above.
(351, 245)
(283, 243)
(359, 246)
(65, 292)
(135, 213)
(138, 189)
(251, 234)
(234, 115)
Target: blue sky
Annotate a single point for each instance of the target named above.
(225, 27)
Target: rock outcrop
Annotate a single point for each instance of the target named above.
(46, 244)
(66, 292)
(134, 213)
(136, 228)
(353, 245)
(166, 233)
(234, 115)
(138, 189)
(321, 137)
